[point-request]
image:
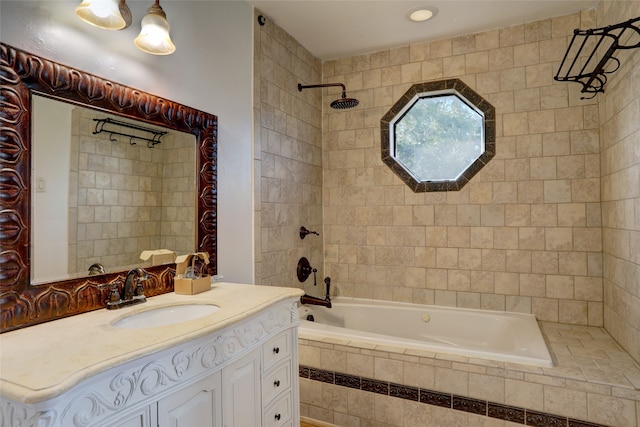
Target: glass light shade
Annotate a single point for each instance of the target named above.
(102, 13)
(154, 37)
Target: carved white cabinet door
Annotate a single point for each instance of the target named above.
(241, 401)
(199, 404)
(144, 417)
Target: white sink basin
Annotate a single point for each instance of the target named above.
(164, 316)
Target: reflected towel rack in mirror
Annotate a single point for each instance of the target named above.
(156, 135)
(585, 48)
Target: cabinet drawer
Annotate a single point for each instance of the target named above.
(276, 349)
(279, 414)
(277, 381)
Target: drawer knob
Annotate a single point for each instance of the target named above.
(276, 350)
(277, 417)
(276, 383)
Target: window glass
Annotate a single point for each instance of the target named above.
(438, 137)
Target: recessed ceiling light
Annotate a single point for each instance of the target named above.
(421, 15)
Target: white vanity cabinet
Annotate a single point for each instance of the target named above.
(196, 405)
(241, 375)
(241, 402)
(279, 383)
(144, 417)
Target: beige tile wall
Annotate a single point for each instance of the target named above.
(128, 198)
(287, 158)
(524, 235)
(620, 146)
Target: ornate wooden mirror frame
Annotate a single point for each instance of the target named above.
(23, 74)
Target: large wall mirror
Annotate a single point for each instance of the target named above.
(72, 196)
(106, 195)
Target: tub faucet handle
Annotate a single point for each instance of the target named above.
(327, 283)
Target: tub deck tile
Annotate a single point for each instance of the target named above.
(607, 377)
(420, 353)
(633, 375)
(569, 372)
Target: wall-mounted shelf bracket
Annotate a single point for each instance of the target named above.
(590, 55)
(151, 136)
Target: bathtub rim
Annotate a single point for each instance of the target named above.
(366, 340)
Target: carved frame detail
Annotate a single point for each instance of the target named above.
(22, 74)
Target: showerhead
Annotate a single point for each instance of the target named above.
(344, 102)
(339, 104)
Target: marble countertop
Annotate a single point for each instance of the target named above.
(43, 361)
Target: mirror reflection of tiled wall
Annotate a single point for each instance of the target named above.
(125, 198)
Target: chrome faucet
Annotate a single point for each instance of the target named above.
(132, 290)
(326, 302)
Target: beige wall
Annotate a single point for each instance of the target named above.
(524, 235)
(287, 158)
(620, 145)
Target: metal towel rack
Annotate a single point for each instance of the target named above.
(152, 141)
(581, 64)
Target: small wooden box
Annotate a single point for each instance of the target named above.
(186, 286)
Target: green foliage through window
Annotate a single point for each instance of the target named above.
(439, 137)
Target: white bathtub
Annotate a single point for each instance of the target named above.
(502, 336)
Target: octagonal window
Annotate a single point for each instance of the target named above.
(438, 135)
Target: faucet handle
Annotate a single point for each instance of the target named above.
(327, 283)
(114, 291)
(139, 291)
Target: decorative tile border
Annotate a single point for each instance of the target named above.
(446, 400)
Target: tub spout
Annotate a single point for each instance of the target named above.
(326, 302)
(308, 299)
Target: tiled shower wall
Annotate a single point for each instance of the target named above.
(287, 158)
(128, 198)
(620, 145)
(524, 235)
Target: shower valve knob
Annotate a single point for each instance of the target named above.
(304, 232)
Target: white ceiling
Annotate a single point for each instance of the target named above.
(332, 29)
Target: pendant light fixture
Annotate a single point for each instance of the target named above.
(154, 36)
(107, 14)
